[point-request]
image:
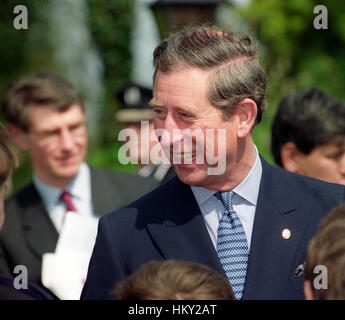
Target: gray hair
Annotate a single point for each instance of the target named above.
(235, 72)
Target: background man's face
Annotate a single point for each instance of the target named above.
(57, 143)
(181, 102)
(325, 162)
(140, 150)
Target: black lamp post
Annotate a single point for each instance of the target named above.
(172, 15)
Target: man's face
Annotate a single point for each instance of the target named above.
(140, 149)
(325, 162)
(180, 101)
(57, 143)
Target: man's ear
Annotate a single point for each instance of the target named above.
(246, 112)
(308, 290)
(19, 136)
(289, 156)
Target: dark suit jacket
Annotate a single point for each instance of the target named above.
(167, 224)
(168, 175)
(28, 232)
(32, 292)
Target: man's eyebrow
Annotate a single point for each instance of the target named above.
(153, 104)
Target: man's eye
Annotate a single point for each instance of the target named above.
(49, 134)
(335, 155)
(184, 115)
(159, 112)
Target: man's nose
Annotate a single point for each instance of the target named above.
(66, 140)
(168, 132)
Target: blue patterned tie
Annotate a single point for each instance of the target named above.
(232, 247)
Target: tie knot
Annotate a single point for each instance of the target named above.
(226, 198)
(66, 197)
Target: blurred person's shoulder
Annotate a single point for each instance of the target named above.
(22, 198)
(128, 186)
(151, 207)
(310, 190)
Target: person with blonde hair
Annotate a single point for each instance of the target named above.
(8, 161)
(174, 280)
(325, 265)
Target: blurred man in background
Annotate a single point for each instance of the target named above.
(308, 135)
(136, 114)
(46, 118)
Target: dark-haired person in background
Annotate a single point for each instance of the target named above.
(46, 118)
(308, 135)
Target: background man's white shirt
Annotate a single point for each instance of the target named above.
(79, 188)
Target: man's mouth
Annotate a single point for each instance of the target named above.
(183, 157)
(67, 159)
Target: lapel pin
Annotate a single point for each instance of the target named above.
(286, 234)
(299, 272)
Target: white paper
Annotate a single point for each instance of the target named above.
(64, 272)
(78, 233)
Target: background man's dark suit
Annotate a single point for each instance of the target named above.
(28, 231)
(167, 224)
(160, 178)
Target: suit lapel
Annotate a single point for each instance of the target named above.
(272, 258)
(39, 231)
(183, 234)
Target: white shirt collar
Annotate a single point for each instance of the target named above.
(248, 189)
(80, 187)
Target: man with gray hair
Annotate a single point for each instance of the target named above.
(251, 221)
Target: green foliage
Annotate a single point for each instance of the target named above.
(295, 54)
(26, 51)
(13, 57)
(111, 25)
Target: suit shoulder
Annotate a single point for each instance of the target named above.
(119, 188)
(149, 203)
(159, 194)
(316, 184)
(118, 177)
(311, 188)
(23, 197)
